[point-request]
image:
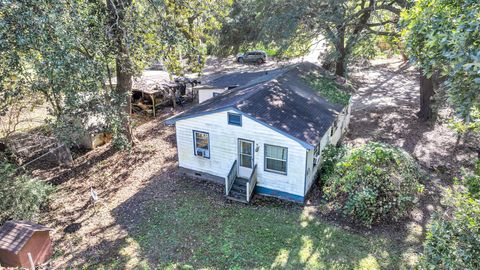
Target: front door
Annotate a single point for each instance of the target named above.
(245, 158)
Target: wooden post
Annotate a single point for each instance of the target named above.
(152, 96)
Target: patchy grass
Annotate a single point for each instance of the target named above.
(193, 232)
(328, 89)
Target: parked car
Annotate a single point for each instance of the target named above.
(258, 57)
(157, 65)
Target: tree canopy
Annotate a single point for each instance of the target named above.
(444, 36)
(71, 50)
(292, 26)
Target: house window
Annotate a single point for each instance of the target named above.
(316, 154)
(201, 143)
(276, 159)
(234, 119)
(334, 127)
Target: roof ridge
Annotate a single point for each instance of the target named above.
(261, 84)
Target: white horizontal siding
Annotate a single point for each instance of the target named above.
(342, 126)
(223, 150)
(313, 169)
(205, 94)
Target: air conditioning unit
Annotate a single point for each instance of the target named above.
(316, 160)
(200, 152)
(203, 153)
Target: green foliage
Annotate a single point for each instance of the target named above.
(69, 51)
(293, 26)
(471, 180)
(444, 35)
(330, 157)
(328, 89)
(453, 239)
(374, 182)
(22, 196)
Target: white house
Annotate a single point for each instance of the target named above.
(264, 137)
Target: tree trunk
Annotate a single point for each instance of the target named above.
(426, 94)
(340, 62)
(124, 67)
(124, 89)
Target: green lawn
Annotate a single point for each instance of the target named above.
(197, 232)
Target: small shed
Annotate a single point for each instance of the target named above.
(18, 239)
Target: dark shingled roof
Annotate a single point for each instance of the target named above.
(15, 234)
(281, 100)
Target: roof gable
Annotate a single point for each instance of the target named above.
(15, 234)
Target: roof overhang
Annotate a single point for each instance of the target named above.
(172, 120)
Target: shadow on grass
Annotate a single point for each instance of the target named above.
(189, 223)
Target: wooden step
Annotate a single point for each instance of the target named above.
(242, 189)
(234, 193)
(241, 181)
(236, 199)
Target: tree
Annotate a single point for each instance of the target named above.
(444, 36)
(70, 51)
(289, 23)
(22, 196)
(453, 237)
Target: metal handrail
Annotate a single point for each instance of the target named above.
(232, 174)
(252, 181)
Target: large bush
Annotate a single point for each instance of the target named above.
(453, 238)
(20, 196)
(330, 156)
(373, 182)
(471, 180)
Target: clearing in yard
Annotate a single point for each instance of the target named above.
(149, 216)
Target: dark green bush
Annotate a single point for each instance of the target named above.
(330, 156)
(471, 180)
(21, 196)
(453, 239)
(374, 182)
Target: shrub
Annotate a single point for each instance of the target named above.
(374, 182)
(330, 156)
(471, 180)
(453, 239)
(21, 196)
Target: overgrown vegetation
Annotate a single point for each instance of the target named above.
(453, 237)
(330, 156)
(443, 37)
(74, 67)
(374, 182)
(328, 89)
(21, 196)
(471, 180)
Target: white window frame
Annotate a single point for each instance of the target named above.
(195, 148)
(265, 159)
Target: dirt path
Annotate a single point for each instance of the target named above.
(384, 109)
